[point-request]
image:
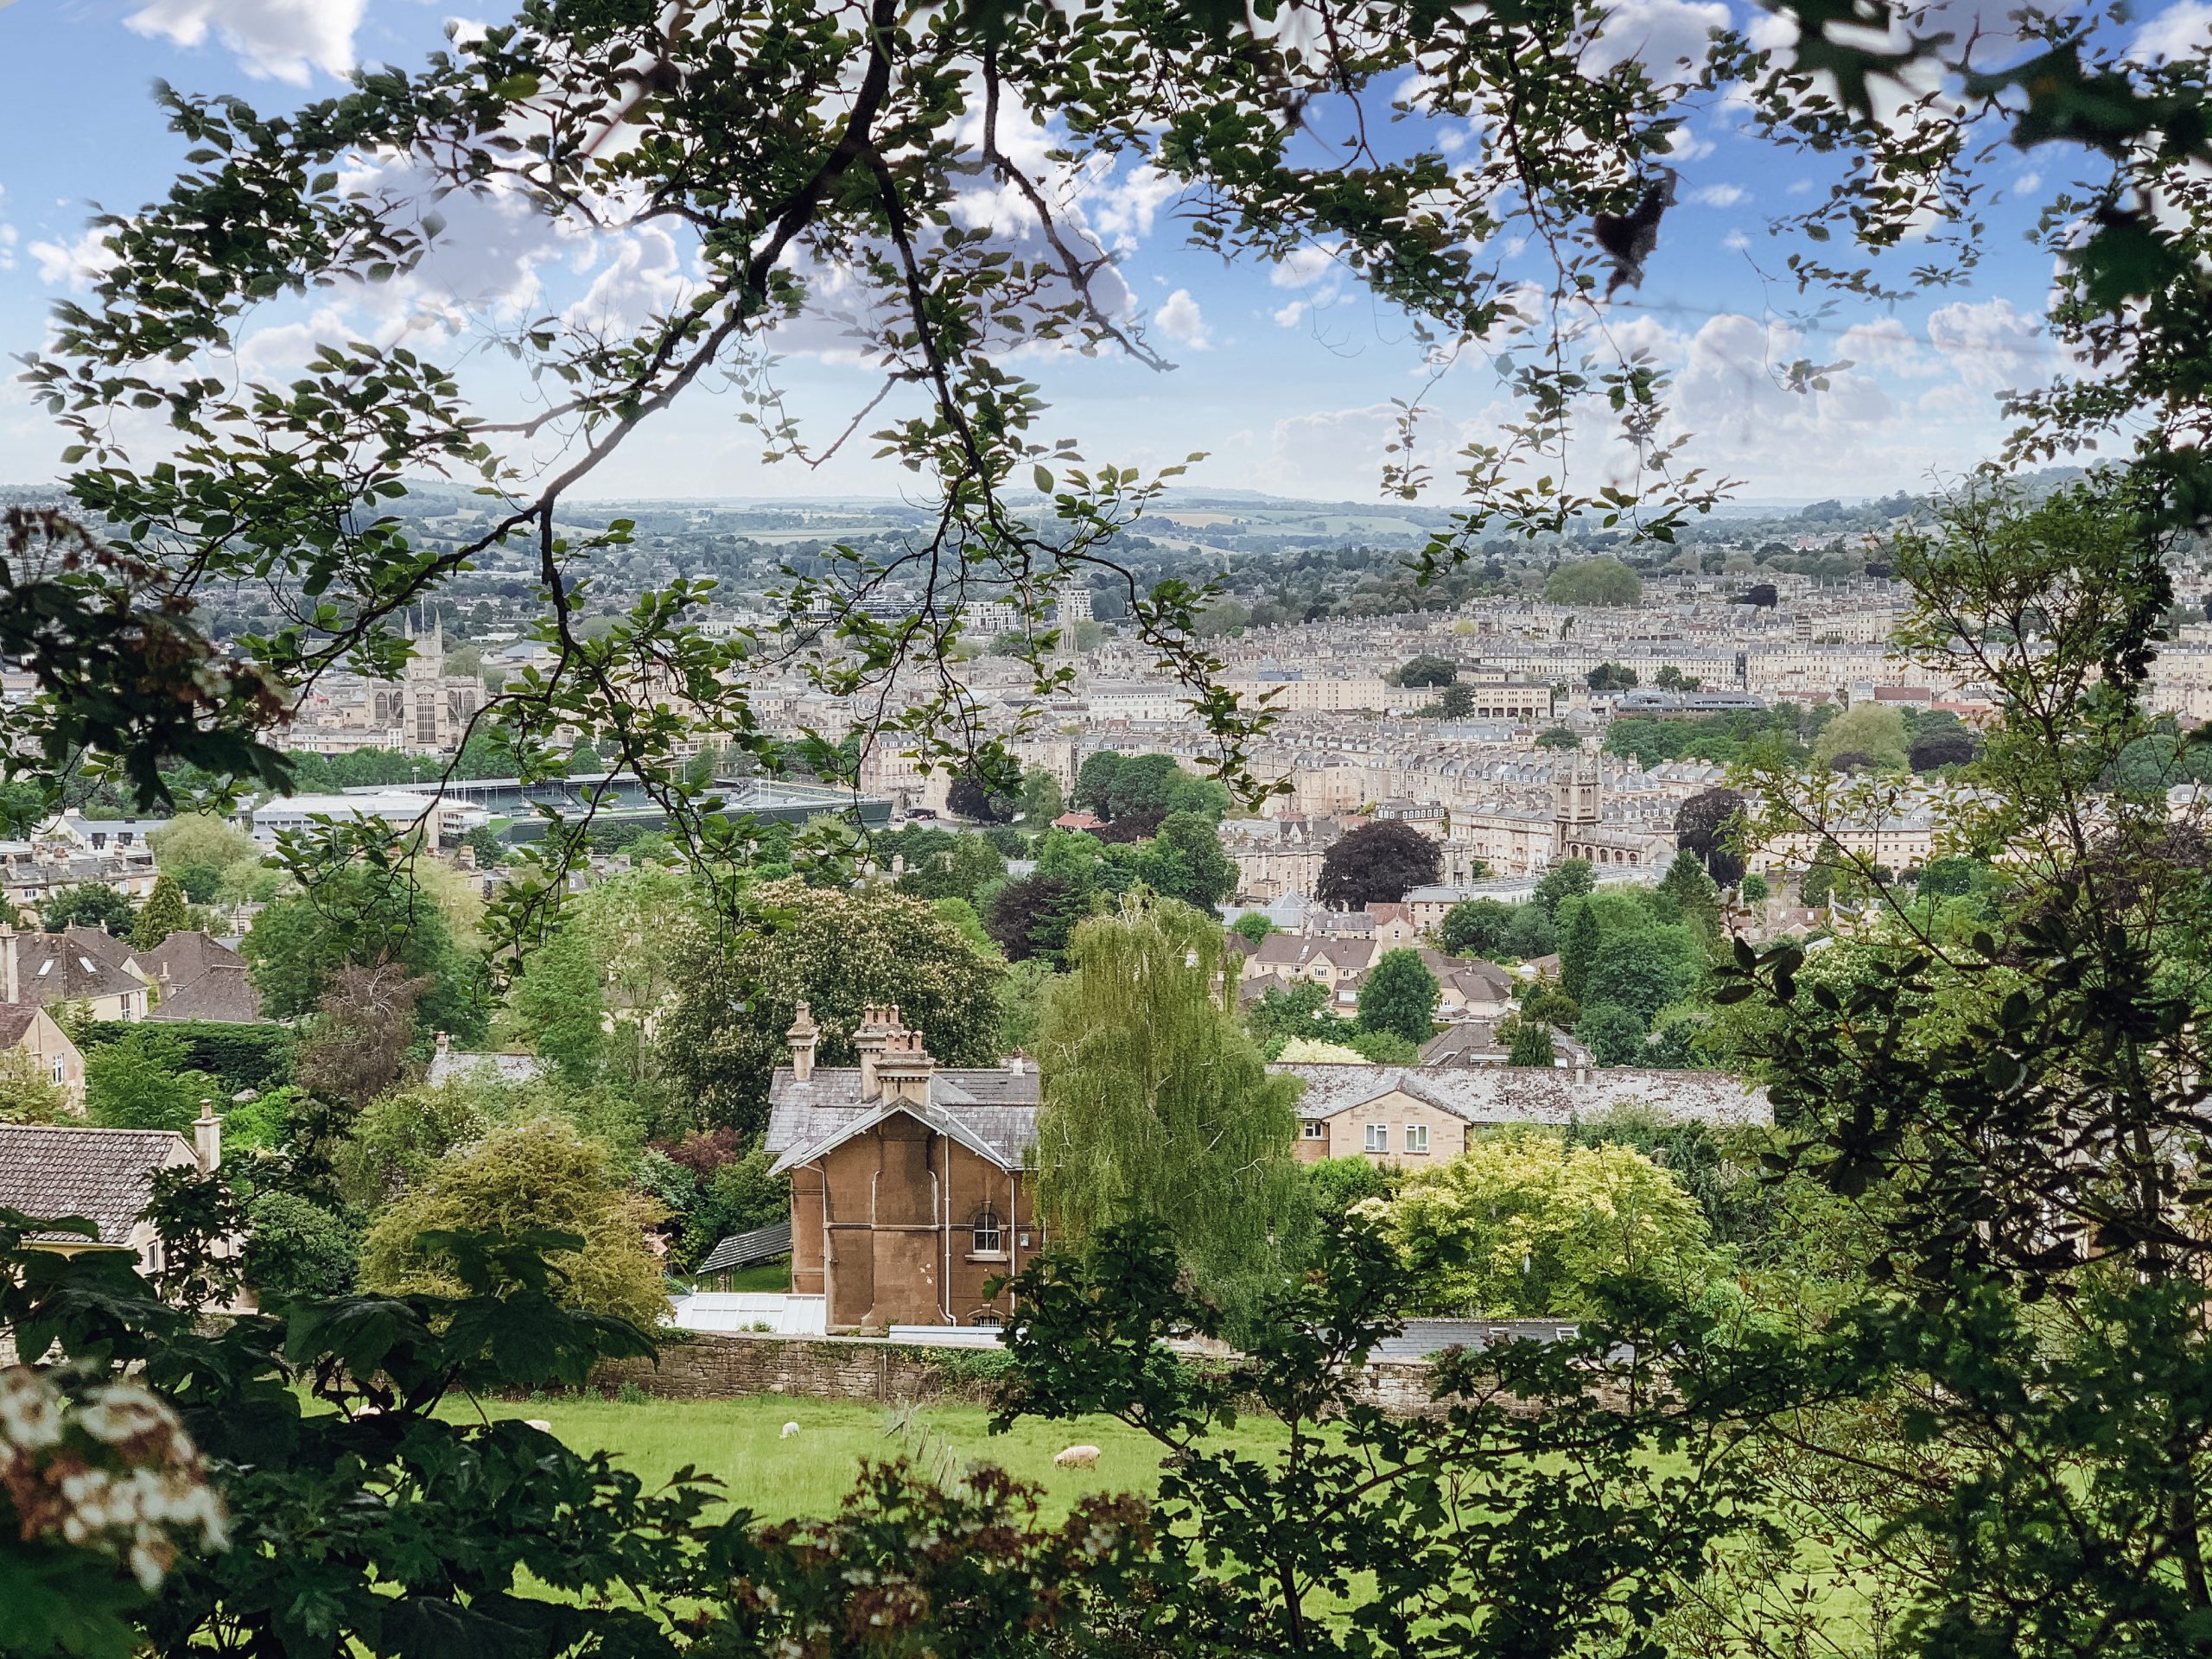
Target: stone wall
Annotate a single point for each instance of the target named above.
(724, 1365)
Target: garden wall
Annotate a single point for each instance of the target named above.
(701, 1365)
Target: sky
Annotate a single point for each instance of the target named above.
(1285, 375)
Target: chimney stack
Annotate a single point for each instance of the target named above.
(874, 1033)
(11, 987)
(803, 1036)
(904, 1069)
(208, 1138)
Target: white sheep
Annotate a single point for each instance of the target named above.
(1076, 1457)
(537, 1423)
(790, 1429)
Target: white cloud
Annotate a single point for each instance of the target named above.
(2182, 31)
(1885, 343)
(275, 40)
(79, 265)
(1736, 242)
(1303, 266)
(1660, 34)
(1123, 208)
(1718, 195)
(1180, 319)
(644, 279)
(1291, 316)
(1991, 346)
(7, 247)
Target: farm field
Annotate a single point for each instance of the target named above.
(739, 1442)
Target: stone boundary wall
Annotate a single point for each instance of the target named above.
(726, 1365)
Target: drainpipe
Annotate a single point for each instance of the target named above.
(821, 1169)
(1013, 1233)
(941, 1205)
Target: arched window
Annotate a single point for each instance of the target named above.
(990, 1235)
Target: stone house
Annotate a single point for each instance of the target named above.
(197, 976)
(105, 1176)
(908, 1193)
(1416, 1116)
(29, 1029)
(81, 965)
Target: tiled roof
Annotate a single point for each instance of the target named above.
(991, 1110)
(14, 1020)
(1519, 1094)
(744, 1250)
(222, 994)
(105, 1175)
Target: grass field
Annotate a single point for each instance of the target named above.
(739, 1441)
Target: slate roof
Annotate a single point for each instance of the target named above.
(72, 967)
(14, 1020)
(222, 994)
(1422, 1337)
(991, 1110)
(743, 1249)
(105, 1175)
(452, 1065)
(184, 956)
(1519, 1093)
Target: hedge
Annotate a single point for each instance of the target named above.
(238, 1056)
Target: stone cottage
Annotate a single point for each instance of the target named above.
(105, 1176)
(908, 1194)
(1416, 1116)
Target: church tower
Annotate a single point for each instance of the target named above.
(1576, 808)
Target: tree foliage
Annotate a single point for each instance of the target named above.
(1377, 864)
(361, 916)
(1157, 1106)
(1398, 995)
(1872, 730)
(1423, 670)
(1522, 1224)
(162, 914)
(1593, 582)
(89, 904)
(734, 1000)
(1708, 825)
(538, 1177)
(356, 1047)
(1475, 927)
(355, 1503)
(1520, 1502)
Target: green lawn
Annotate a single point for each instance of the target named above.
(740, 1442)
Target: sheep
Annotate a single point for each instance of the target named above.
(1076, 1457)
(790, 1429)
(537, 1423)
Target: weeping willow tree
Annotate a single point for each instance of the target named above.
(1157, 1104)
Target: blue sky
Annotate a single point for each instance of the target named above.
(1285, 375)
